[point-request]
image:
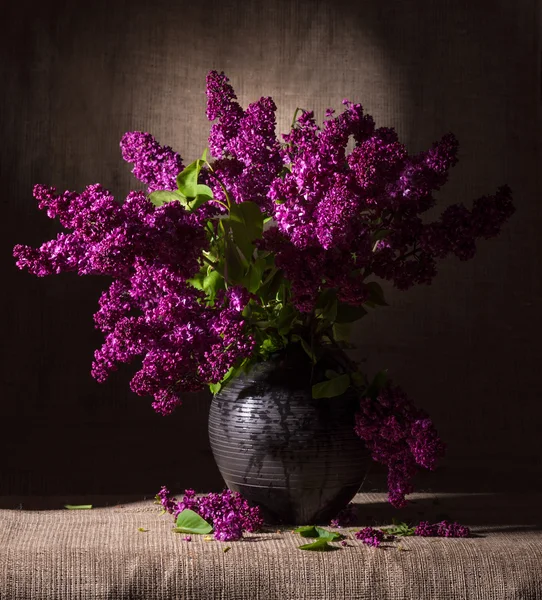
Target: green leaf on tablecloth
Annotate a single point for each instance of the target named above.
(190, 522)
(313, 531)
(399, 528)
(78, 506)
(320, 545)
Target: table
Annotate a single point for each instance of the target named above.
(101, 554)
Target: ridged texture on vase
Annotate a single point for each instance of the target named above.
(297, 458)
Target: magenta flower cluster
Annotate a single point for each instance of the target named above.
(441, 529)
(370, 536)
(149, 310)
(228, 512)
(329, 206)
(400, 436)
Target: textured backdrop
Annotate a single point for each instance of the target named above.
(467, 348)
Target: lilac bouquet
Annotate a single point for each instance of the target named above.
(262, 244)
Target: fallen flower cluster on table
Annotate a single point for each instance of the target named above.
(228, 512)
(228, 515)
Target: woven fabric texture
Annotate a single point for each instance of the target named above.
(101, 554)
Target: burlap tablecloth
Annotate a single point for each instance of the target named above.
(100, 553)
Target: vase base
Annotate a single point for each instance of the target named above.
(281, 506)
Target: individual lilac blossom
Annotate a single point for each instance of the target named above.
(155, 165)
(400, 436)
(228, 512)
(187, 538)
(371, 537)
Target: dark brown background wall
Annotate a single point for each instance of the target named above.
(466, 348)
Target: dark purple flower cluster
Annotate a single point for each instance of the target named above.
(228, 512)
(400, 436)
(442, 529)
(370, 536)
(149, 310)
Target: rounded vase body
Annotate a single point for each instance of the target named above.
(296, 457)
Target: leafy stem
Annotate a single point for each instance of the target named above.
(213, 174)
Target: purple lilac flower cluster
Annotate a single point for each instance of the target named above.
(149, 310)
(400, 436)
(370, 536)
(228, 512)
(244, 144)
(155, 165)
(329, 206)
(442, 529)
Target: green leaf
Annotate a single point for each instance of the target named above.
(246, 222)
(307, 531)
(323, 537)
(197, 281)
(348, 314)
(203, 194)
(379, 381)
(253, 277)
(320, 545)
(190, 522)
(380, 234)
(78, 506)
(308, 350)
(215, 387)
(187, 180)
(358, 379)
(164, 196)
(327, 304)
(142, 529)
(270, 288)
(376, 295)
(342, 331)
(212, 282)
(329, 313)
(399, 528)
(249, 215)
(286, 318)
(233, 268)
(331, 388)
(314, 531)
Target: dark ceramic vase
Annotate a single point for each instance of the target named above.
(296, 457)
